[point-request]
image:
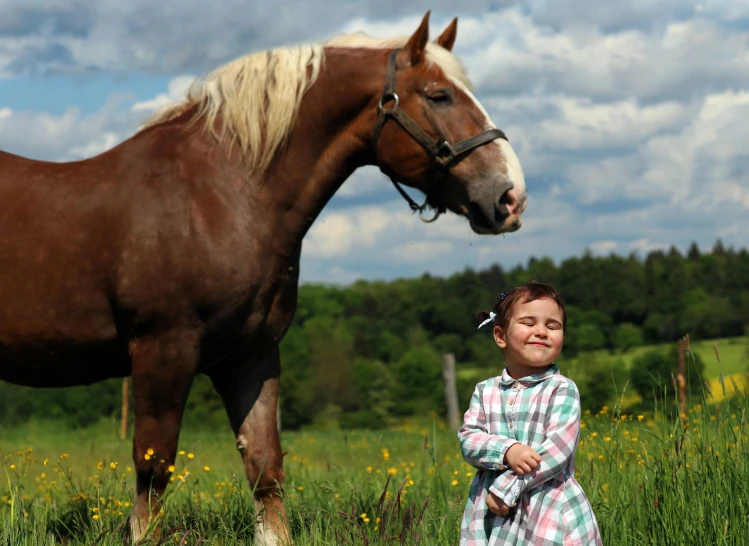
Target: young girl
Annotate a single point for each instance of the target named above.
(521, 432)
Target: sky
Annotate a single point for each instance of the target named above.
(630, 118)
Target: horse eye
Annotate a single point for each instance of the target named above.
(440, 97)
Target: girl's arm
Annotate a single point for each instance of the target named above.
(562, 431)
(480, 449)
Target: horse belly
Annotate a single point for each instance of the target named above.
(60, 342)
(59, 364)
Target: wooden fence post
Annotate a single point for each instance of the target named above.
(451, 390)
(125, 407)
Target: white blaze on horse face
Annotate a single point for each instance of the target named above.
(514, 171)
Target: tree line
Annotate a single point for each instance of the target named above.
(367, 353)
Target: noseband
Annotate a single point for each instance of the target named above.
(441, 153)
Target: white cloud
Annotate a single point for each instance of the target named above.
(95, 147)
(726, 11)
(172, 36)
(332, 235)
(365, 181)
(67, 136)
(602, 247)
(339, 275)
(673, 59)
(336, 233)
(581, 47)
(585, 125)
(176, 91)
(645, 245)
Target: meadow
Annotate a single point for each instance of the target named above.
(657, 478)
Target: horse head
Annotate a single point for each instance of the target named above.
(432, 134)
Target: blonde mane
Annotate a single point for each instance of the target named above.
(258, 96)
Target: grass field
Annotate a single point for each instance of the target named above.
(651, 480)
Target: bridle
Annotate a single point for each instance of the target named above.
(441, 153)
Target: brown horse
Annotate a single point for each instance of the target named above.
(177, 252)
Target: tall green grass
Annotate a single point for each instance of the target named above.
(659, 479)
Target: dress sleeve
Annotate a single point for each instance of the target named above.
(479, 448)
(562, 429)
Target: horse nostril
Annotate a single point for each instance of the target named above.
(509, 205)
(505, 206)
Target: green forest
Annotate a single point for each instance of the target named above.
(367, 354)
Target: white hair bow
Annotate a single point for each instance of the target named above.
(491, 318)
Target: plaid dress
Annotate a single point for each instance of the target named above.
(547, 506)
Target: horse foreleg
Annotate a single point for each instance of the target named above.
(249, 389)
(163, 367)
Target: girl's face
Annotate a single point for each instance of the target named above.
(534, 337)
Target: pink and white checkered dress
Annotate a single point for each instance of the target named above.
(548, 506)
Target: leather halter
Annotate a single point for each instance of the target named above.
(441, 153)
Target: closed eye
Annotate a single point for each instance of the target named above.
(440, 97)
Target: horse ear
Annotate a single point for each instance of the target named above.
(418, 42)
(447, 38)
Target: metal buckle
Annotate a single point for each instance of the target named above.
(446, 155)
(427, 220)
(387, 97)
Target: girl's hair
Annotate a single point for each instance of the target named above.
(526, 292)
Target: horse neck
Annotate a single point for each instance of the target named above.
(329, 142)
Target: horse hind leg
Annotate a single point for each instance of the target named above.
(249, 389)
(163, 368)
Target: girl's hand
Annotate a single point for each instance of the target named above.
(497, 505)
(522, 459)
